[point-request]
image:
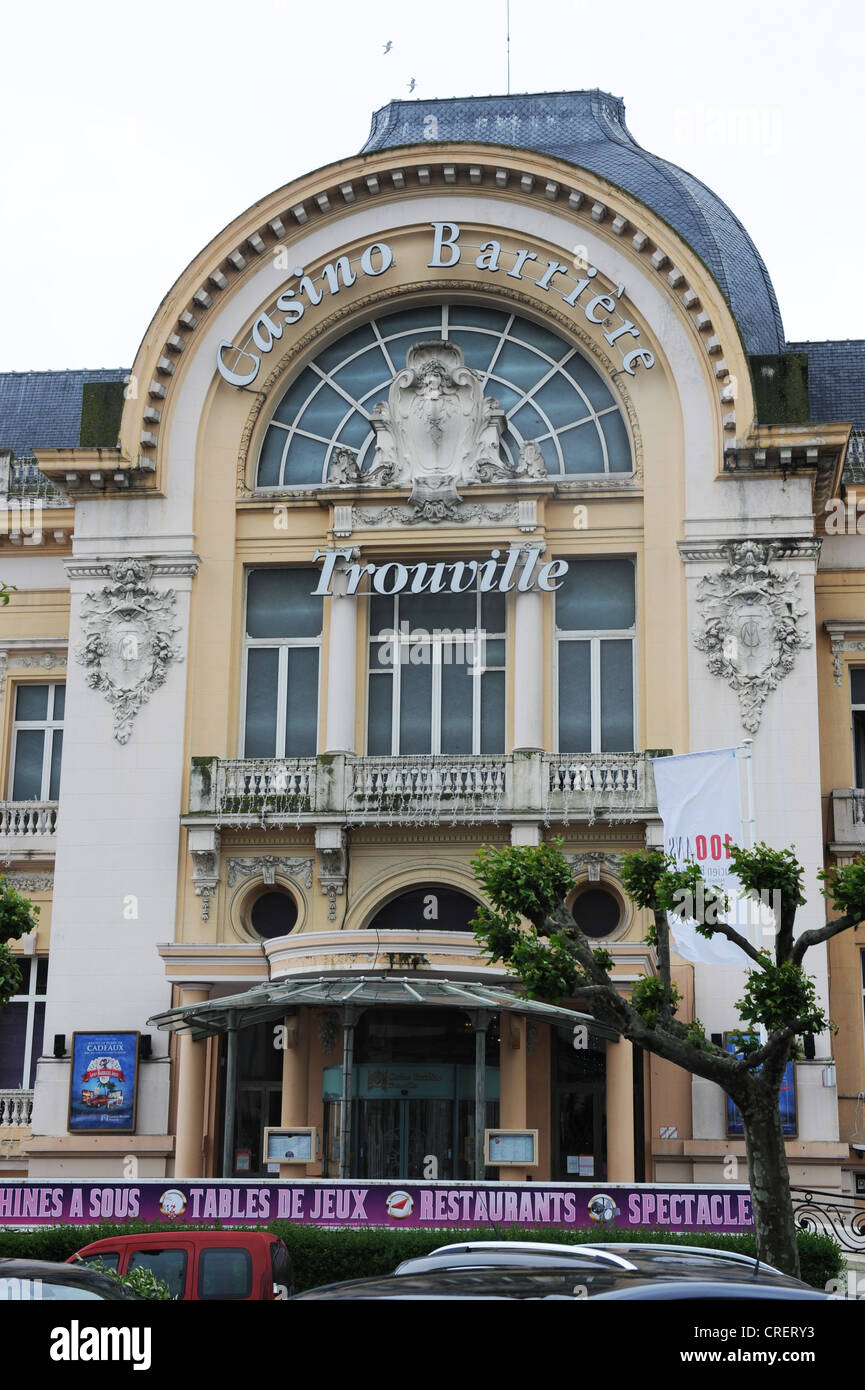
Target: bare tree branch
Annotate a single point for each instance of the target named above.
(724, 929)
(815, 935)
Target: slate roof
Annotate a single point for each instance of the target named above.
(836, 379)
(588, 130)
(42, 410)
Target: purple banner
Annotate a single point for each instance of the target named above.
(356, 1204)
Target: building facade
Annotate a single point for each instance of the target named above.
(447, 481)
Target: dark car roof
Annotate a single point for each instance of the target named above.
(682, 1290)
(562, 1282)
(496, 1256)
(51, 1273)
(652, 1262)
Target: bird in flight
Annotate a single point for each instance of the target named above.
(412, 85)
(388, 46)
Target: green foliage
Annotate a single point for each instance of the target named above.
(647, 997)
(696, 1036)
(141, 1281)
(17, 915)
(641, 874)
(846, 888)
(655, 881)
(6, 592)
(17, 918)
(777, 995)
(323, 1256)
(524, 881)
(547, 970)
(765, 870)
(10, 974)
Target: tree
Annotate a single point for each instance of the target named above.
(17, 918)
(554, 960)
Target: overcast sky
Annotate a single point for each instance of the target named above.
(132, 135)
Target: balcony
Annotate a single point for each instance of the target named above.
(16, 1108)
(27, 829)
(552, 788)
(848, 821)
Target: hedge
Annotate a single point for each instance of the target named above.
(326, 1255)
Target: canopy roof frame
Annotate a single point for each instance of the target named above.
(266, 1002)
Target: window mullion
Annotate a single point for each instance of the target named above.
(396, 688)
(436, 695)
(596, 693)
(29, 1026)
(475, 677)
(281, 700)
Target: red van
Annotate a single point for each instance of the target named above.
(228, 1265)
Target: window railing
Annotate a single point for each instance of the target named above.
(423, 788)
(28, 818)
(16, 1108)
(848, 816)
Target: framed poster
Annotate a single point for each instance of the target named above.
(103, 1083)
(290, 1145)
(786, 1099)
(505, 1148)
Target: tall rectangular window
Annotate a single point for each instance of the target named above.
(436, 673)
(857, 707)
(282, 659)
(595, 637)
(22, 1023)
(37, 742)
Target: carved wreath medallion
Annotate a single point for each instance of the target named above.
(129, 646)
(753, 625)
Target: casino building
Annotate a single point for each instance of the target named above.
(449, 482)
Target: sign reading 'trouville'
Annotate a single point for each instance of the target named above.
(497, 574)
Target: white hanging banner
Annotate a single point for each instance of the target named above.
(700, 805)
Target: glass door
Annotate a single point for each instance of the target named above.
(579, 1136)
(379, 1138)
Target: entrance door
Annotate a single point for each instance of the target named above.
(578, 1133)
(394, 1138)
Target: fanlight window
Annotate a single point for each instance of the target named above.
(548, 391)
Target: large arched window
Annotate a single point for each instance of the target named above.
(548, 390)
(430, 907)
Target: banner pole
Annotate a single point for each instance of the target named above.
(748, 830)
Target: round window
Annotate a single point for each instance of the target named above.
(597, 912)
(273, 914)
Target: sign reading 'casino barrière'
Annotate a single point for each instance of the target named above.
(569, 284)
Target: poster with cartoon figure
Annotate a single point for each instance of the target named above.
(103, 1083)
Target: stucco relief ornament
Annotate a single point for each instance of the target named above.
(129, 643)
(437, 431)
(753, 625)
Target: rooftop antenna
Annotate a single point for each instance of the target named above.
(508, 8)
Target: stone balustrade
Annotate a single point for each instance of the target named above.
(423, 789)
(16, 1108)
(28, 820)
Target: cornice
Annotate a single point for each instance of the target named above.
(718, 551)
(163, 567)
(816, 450)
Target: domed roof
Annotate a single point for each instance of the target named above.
(588, 130)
